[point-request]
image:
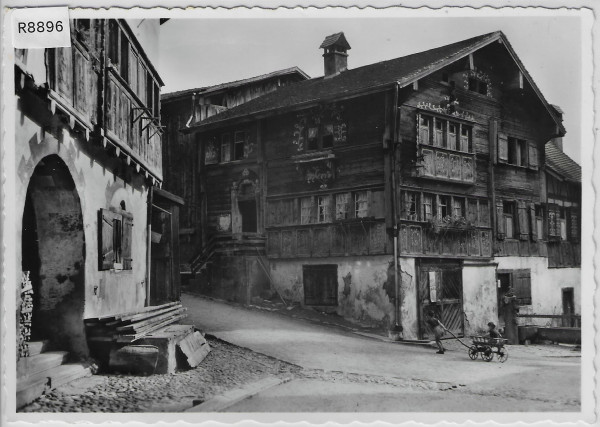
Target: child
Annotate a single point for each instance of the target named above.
(438, 330)
(492, 332)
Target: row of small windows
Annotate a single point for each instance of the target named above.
(517, 152)
(445, 134)
(417, 206)
(519, 221)
(326, 208)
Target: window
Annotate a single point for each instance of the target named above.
(427, 207)
(328, 136)
(517, 151)
(452, 136)
(361, 204)
(562, 224)
(113, 42)
(342, 206)
(458, 207)
(239, 144)
(508, 214)
(324, 209)
(465, 138)
(438, 139)
(479, 86)
(115, 231)
(410, 208)
(519, 281)
(124, 62)
(539, 221)
(312, 141)
(306, 207)
(225, 148)
(443, 206)
(424, 130)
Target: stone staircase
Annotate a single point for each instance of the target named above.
(43, 371)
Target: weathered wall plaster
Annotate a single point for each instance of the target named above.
(480, 303)
(546, 287)
(361, 286)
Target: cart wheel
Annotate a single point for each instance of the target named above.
(473, 352)
(502, 355)
(487, 354)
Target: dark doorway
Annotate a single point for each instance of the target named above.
(248, 212)
(164, 278)
(53, 251)
(320, 284)
(440, 291)
(503, 288)
(568, 301)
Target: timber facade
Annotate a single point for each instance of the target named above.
(386, 191)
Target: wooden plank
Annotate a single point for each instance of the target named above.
(195, 348)
(141, 316)
(131, 313)
(140, 326)
(134, 337)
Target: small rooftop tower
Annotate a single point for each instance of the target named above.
(335, 57)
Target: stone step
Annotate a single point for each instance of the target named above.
(30, 366)
(29, 389)
(37, 347)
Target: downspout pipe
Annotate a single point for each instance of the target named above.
(397, 319)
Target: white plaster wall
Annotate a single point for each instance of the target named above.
(480, 304)
(546, 286)
(363, 278)
(408, 307)
(97, 188)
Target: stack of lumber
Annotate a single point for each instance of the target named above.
(129, 327)
(25, 314)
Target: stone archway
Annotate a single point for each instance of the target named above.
(53, 251)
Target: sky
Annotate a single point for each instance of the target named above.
(202, 52)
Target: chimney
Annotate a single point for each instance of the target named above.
(335, 57)
(558, 141)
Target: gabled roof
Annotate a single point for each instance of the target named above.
(558, 162)
(337, 39)
(236, 83)
(367, 79)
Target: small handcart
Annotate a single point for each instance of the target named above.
(487, 347)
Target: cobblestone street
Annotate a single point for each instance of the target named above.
(226, 367)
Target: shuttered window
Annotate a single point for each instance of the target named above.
(115, 232)
(522, 286)
(324, 208)
(523, 220)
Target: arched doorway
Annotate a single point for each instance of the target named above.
(53, 251)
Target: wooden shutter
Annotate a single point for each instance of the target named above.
(523, 221)
(376, 204)
(404, 208)
(533, 222)
(502, 148)
(500, 233)
(127, 239)
(106, 254)
(522, 286)
(533, 155)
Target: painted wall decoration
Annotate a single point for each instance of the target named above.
(25, 315)
(224, 222)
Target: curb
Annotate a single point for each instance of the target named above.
(230, 398)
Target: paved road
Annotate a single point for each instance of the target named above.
(534, 379)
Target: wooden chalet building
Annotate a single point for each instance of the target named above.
(431, 165)
(88, 167)
(180, 156)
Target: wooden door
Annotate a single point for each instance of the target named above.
(440, 291)
(161, 254)
(320, 284)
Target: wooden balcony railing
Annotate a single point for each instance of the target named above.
(368, 237)
(420, 240)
